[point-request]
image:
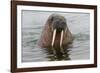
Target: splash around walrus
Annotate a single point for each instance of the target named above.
(56, 33)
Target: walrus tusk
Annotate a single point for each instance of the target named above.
(53, 38)
(61, 38)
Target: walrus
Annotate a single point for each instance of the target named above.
(56, 33)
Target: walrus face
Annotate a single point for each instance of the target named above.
(58, 24)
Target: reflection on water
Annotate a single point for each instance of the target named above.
(32, 25)
(58, 55)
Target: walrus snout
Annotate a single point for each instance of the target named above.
(59, 25)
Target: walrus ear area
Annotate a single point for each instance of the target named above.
(51, 19)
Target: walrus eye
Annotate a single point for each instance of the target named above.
(52, 19)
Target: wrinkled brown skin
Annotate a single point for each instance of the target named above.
(47, 33)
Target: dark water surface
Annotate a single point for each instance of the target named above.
(32, 25)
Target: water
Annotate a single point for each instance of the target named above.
(32, 25)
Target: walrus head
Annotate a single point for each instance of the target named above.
(58, 25)
(55, 33)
